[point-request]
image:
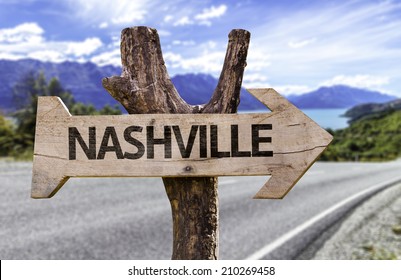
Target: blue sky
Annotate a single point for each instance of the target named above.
(296, 46)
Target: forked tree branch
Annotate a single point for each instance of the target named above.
(145, 87)
(226, 96)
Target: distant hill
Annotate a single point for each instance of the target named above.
(84, 81)
(339, 96)
(372, 110)
(374, 134)
(374, 139)
(198, 88)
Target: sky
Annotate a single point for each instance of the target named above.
(296, 46)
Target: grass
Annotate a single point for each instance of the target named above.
(378, 253)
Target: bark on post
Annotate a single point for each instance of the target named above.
(145, 87)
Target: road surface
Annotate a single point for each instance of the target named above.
(125, 218)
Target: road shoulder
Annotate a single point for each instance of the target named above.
(371, 231)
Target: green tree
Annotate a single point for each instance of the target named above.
(367, 139)
(25, 95)
(55, 88)
(82, 109)
(110, 110)
(7, 136)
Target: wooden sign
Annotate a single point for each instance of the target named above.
(283, 143)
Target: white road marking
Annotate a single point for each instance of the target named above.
(258, 255)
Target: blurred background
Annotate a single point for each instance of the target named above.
(338, 61)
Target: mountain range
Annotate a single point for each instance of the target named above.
(338, 96)
(372, 110)
(84, 81)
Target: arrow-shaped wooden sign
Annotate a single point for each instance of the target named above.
(283, 143)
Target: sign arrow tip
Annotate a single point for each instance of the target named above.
(296, 156)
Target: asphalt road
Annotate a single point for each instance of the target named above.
(131, 219)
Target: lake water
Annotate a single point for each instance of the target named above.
(326, 118)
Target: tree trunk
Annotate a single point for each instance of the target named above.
(145, 87)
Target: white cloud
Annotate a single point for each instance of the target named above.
(121, 12)
(208, 62)
(108, 58)
(206, 57)
(212, 12)
(103, 25)
(207, 14)
(361, 81)
(128, 18)
(184, 43)
(292, 89)
(29, 32)
(27, 40)
(255, 80)
(259, 59)
(183, 21)
(11, 56)
(47, 55)
(168, 18)
(255, 77)
(172, 60)
(301, 43)
(202, 18)
(86, 47)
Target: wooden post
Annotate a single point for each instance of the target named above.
(145, 87)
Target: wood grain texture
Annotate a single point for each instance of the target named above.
(145, 87)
